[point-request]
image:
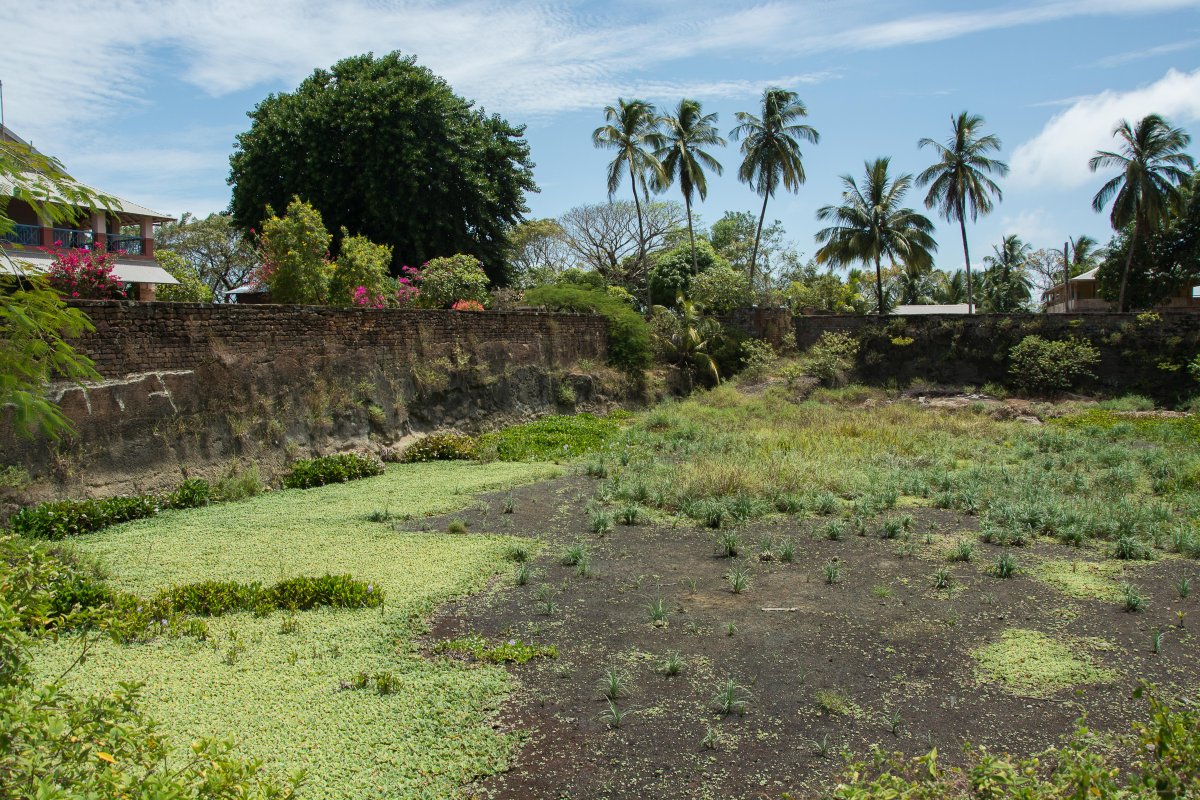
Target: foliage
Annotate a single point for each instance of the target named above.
(337, 468)
(1005, 286)
(361, 267)
(686, 338)
(192, 493)
(467, 305)
(1166, 765)
(550, 438)
(672, 273)
(831, 358)
(537, 247)
(190, 289)
(85, 274)
(824, 293)
(771, 151)
(1152, 167)
(512, 651)
(440, 447)
(289, 675)
(720, 291)
(59, 519)
(959, 182)
(211, 248)
(294, 253)
(871, 224)
(628, 333)
(681, 152)
(1038, 364)
(456, 176)
(446, 280)
(216, 598)
(1030, 662)
(607, 238)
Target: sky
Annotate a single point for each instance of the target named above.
(144, 98)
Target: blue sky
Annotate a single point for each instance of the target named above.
(143, 98)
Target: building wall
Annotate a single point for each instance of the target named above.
(194, 388)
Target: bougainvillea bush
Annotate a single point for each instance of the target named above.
(86, 274)
(467, 305)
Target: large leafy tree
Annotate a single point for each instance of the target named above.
(959, 182)
(1152, 166)
(872, 223)
(1006, 283)
(632, 130)
(687, 132)
(384, 148)
(771, 154)
(212, 248)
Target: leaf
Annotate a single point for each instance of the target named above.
(106, 757)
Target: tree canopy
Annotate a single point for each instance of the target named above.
(383, 147)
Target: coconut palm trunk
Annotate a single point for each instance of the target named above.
(1128, 265)
(878, 286)
(687, 201)
(637, 204)
(962, 227)
(758, 233)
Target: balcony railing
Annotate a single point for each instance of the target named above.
(69, 237)
(24, 235)
(131, 245)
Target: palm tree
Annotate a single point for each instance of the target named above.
(683, 158)
(914, 284)
(1085, 251)
(1152, 165)
(771, 152)
(1007, 286)
(959, 181)
(687, 339)
(632, 131)
(871, 224)
(950, 289)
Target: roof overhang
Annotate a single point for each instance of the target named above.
(124, 271)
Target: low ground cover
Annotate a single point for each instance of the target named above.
(273, 681)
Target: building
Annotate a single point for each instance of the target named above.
(1081, 295)
(124, 228)
(950, 308)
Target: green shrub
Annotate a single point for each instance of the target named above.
(440, 447)
(339, 468)
(1038, 364)
(445, 281)
(831, 359)
(628, 334)
(215, 598)
(62, 518)
(721, 290)
(192, 493)
(238, 484)
(550, 438)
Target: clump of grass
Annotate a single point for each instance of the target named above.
(631, 514)
(672, 665)
(738, 579)
(825, 503)
(882, 592)
(943, 579)
(1127, 548)
(290, 624)
(833, 702)
(891, 528)
(711, 739)
(601, 522)
(833, 571)
(728, 544)
(964, 551)
(613, 716)
(731, 698)
(573, 553)
(508, 505)
(730, 628)
(614, 684)
(787, 551)
(456, 526)
(657, 610)
(520, 553)
(522, 574)
(1006, 565)
(833, 530)
(1132, 598)
(1183, 587)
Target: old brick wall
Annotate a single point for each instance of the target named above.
(1146, 354)
(191, 388)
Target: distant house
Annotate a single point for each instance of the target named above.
(126, 229)
(1081, 294)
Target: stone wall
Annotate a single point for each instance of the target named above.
(195, 389)
(1145, 354)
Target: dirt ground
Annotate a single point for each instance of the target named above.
(879, 657)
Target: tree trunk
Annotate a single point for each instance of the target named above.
(758, 233)
(962, 226)
(1067, 280)
(1128, 264)
(641, 234)
(878, 287)
(687, 200)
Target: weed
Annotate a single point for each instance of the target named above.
(672, 665)
(943, 579)
(964, 550)
(833, 571)
(549, 607)
(657, 610)
(1157, 641)
(583, 567)
(894, 721)
(882, 592)
(1127, 548)
(1183, 587)
(710, 739)
(456, 526)
(387, 683)
(738, 579)
(614, 684)
(728, 545)
(631, 514)
(613, 716)
(892, 528)
(520, 553)
(574, 553)
(507, 507)
(730, 628)
(1132, 598)
(522, 574)
(290, 624)
(787, 551)
(825, 503)
(1006, 565)
(691, 584)
(380, 515)
(833, 530)
(731, 698)
(821, 746)
(601, 522)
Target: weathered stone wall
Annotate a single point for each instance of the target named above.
(1146, 354)
(195, 388)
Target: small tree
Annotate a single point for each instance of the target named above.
(1038, 364)
(190, 289)
(722, 290)
(361, 264)
(446, 280)
(295, 255)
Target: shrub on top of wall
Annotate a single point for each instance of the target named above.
(628, 333)
(1038, 364)
(339, 468)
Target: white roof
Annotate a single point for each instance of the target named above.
(953, 308)
(36, 184)
(1090, 275)
(128, 271)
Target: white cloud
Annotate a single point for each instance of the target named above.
(1121, 59)
(1058, 155)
